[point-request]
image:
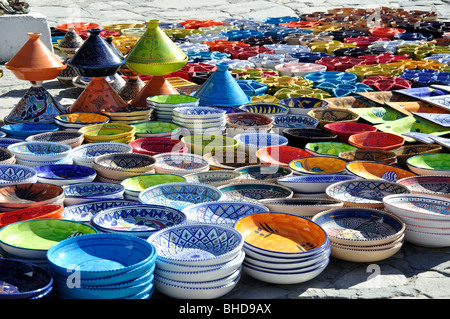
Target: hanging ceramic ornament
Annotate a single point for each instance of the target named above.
(96, 59)
(34, 62)
(157, 55)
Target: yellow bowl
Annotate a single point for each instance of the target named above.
(318, 165)
(374, 170)
(107, 131)
(82, 118)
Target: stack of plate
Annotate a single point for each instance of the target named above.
(23, 280)
(282, 248)
(427, 218)
(75, 121)
(197, 261)
(108, 132)
(137, 220)
(91, 191)
(180, 163)
(41, 153)
(130, 115)
(85, 154)
(109, 266)
(114, 168)
(21, 241)
(200, 120)
(164, 105)
(361, 234)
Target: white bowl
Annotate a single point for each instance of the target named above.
(40, 151)
(418, 206)
(174, 163)
(85, 154)
(427, 239)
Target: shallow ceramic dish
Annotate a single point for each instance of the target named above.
(157, 129)
(281, 234)
(365, 192)
(280, 155)
(299, 137)
(63, 174)
(430, 164)
(172, 100)
(78, 120)
(344, 130)
(332, 115)
(312, 184)
(24, 130)
(107, 131)
(84, 192)
(180, 163)
(254, 191)
(248, 121)
(179, 195)
(318, 165)
(157, 145)
(380, 156)
(214, 178)
(360, 226)
(6, 156)
(328, 148)
(251, 142)
(407, 151)
(40, 151)
(307, 207)
(33, 238)
(16, 282)
(11, 174)
(282, 122)
(364, 256)
(230, 160)
(101, 255)
(427, 185)
(265, 108)
(198, 112)
(429, 240)
(137, 220)
(123, 165)
(85, 154)
(204, 144)
(221, 212)
(30, 195)
(192, 244)
(85, 211)
(302, 105)
(263, 173)
(376, 140)
(374, 170)
(6, 141)
(67, 160)
(73, 139)
(419, 206)
(45, 211)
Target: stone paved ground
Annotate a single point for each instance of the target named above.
(414, 272)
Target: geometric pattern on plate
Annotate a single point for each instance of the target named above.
(422, 205)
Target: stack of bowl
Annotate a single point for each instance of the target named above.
(164, 105)
(85, 154)
(114, 168)
(91, 191)
(108, 132)
(136, 184)
(109, 266)
(137, 220)
(282, 248)
(360, 234)
(427, 218)
(130, 115)
(157, 129)
(16, 282)
(30, 240)
(197, 261)
(41, 153)
(200, 120)
(12, 174)
(180, 163)
(75, 121)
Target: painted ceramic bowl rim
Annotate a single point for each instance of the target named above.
(66, 150)
(123, 183)
(387, 199)
(408, 161)
(81, 148)
(334, 158)
(403, 181)
(304, 202)
(87, 172)
(119, 189)
(182, 184)
(258, 185)
(30, 170)
(310, 178)
(228, 175)
(376, 163)
(99, 161)
(280, 140)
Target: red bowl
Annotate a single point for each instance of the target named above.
(376, 140)
(280, 155)
(157, 145)
(46, 211)
(346, 129)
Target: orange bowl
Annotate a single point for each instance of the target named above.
(46, 211)
(376, 140)
(374, 170)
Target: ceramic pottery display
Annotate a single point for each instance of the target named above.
(69, 44)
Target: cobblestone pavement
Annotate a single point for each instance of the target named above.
(414, 272)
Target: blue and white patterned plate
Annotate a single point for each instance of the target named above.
(85, 211)
(438, 118)
(11, 174)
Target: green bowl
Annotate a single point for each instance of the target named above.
(172, 99)
(31, 239)
(328, 148)
(155, 129)
(430, 164)
(204, 144)
(141, 182)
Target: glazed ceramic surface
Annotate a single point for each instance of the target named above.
(280, 155)
(17, 174)
(253, 192)
(64, 174)
(40, 151)
(268, 173)
(214, 177)
(328, 148)
(376, 140)
(427, 185)
(179, 163)
(419, 206)
(373, 170)
(85, 154)
(85, 211)
(299, 137)
(318, 165)
(430, 164)
(380, 156)
(256, 141)
(312, 184)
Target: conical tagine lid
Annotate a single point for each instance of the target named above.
(155, 53)
(34, 61)
(221, 89)
(71, 41)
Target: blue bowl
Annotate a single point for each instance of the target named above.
(179, 195)
(265, 108)
(222, 212)
(11, 174)
(96, 256)
(26, 129)
(65, 173)
(137, 220)
(295, 121)
(303, 102)
(6, 141)
(85, 211)
(16, 282)
(259, 140)
(93, 190)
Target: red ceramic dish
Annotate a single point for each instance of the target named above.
(280, 155)
(385, 32)
(376, 140)
(46, 211)
(157, 145)
(79, 26)
(346, 129)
